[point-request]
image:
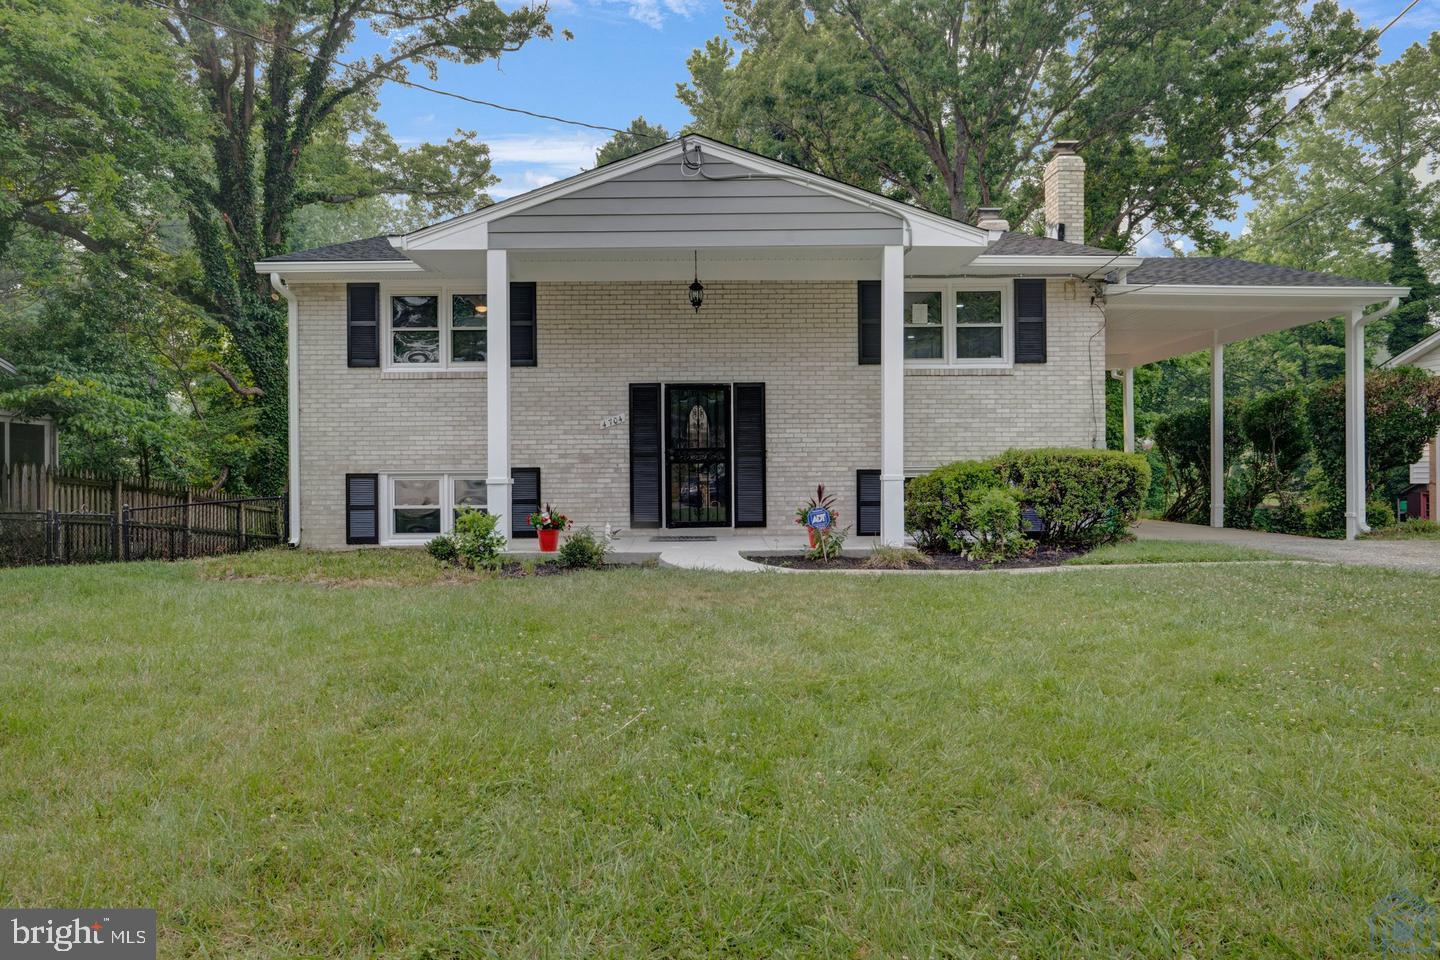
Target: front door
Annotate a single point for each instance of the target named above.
(697, 454)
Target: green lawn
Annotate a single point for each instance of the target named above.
(1229, 760)
(1170, 551)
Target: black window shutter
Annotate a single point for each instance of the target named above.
(868, 296)
(524, 500)
(522, 325)
(362, 324)
(1029, 321)
(867, 495)
(362, 508)
(646, 464)
(749, 454)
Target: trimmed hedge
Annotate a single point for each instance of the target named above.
(938, 503)
(1082, 497)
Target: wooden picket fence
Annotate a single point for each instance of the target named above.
(28, 486)
(51, 517)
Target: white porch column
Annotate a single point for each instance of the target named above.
(892, 396)
(497, 386)
(1217, 433)
(1127, 391)
(1355, 424)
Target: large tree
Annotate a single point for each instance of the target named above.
(952, 104)
(1350, 197)
(640, 136)
(234, 118)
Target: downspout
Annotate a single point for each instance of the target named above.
(293, 402)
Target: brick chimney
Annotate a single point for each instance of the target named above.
(1065, 193)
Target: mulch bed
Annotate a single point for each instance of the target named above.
(545, 568)
(938, 561)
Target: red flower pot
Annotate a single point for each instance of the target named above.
(814, 542)
(549, 540)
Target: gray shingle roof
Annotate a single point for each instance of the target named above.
(371, 248)
(1013, 244)
(1229, 272)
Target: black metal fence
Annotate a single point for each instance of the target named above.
(173, 532)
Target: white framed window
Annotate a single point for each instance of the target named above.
(434, 326)
(418, 507)
(959, 323)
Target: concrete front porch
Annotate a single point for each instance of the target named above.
(719, 550)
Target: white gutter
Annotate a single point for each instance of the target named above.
(292, 363)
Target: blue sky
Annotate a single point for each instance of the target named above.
(625, 60)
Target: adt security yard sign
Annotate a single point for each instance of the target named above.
(817, 518)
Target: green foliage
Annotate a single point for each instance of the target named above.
(828, 543)
(637, 138)
(1182, 441)
(953, 107)
(995, 527)
(478, 543)
(896, 558)
(1402, 413)
(1287, 517)
(583, 550)
(444, 548)
(1379, 513)
(1082, 497)
(938, 503)
(1349, 196)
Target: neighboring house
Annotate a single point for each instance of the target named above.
(26, 439)
(1420, 498)
(694, 337)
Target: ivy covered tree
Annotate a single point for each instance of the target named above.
(228, 120)
(1358, 194)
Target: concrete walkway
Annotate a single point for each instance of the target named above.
(702, 549)
(1417, 555)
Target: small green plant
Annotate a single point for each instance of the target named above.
(896, 558)
(477, 542)
(828, 544)
(583, 550)
(995, 530)
(825, 541)
(443, 548)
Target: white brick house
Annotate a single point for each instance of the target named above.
(842, 338)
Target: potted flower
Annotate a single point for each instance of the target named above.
(548, 523)
(820, 507)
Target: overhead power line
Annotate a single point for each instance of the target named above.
(378, 75)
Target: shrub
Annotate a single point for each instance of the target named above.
(477, 542)
(828, 544)
(1379, 514)
(995, 527)
(583, 550)
(1287, 517)
(895, 558)
(1402, 413)
(1082, 497)
(443, 548)
(1325, 517)
(937, 504)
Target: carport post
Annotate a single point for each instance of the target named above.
(1217, 432)
(1128, 417)
(1355, 424)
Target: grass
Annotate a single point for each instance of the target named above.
(1170, 551)
(1407, 530)
(356, 756)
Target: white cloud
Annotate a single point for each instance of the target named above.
(566, 153)
(652, 13)
(527, 161)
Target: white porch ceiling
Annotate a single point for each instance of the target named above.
(1145, 324)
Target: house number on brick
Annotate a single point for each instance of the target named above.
(614, 421)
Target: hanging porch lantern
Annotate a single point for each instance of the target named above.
(697, 289)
